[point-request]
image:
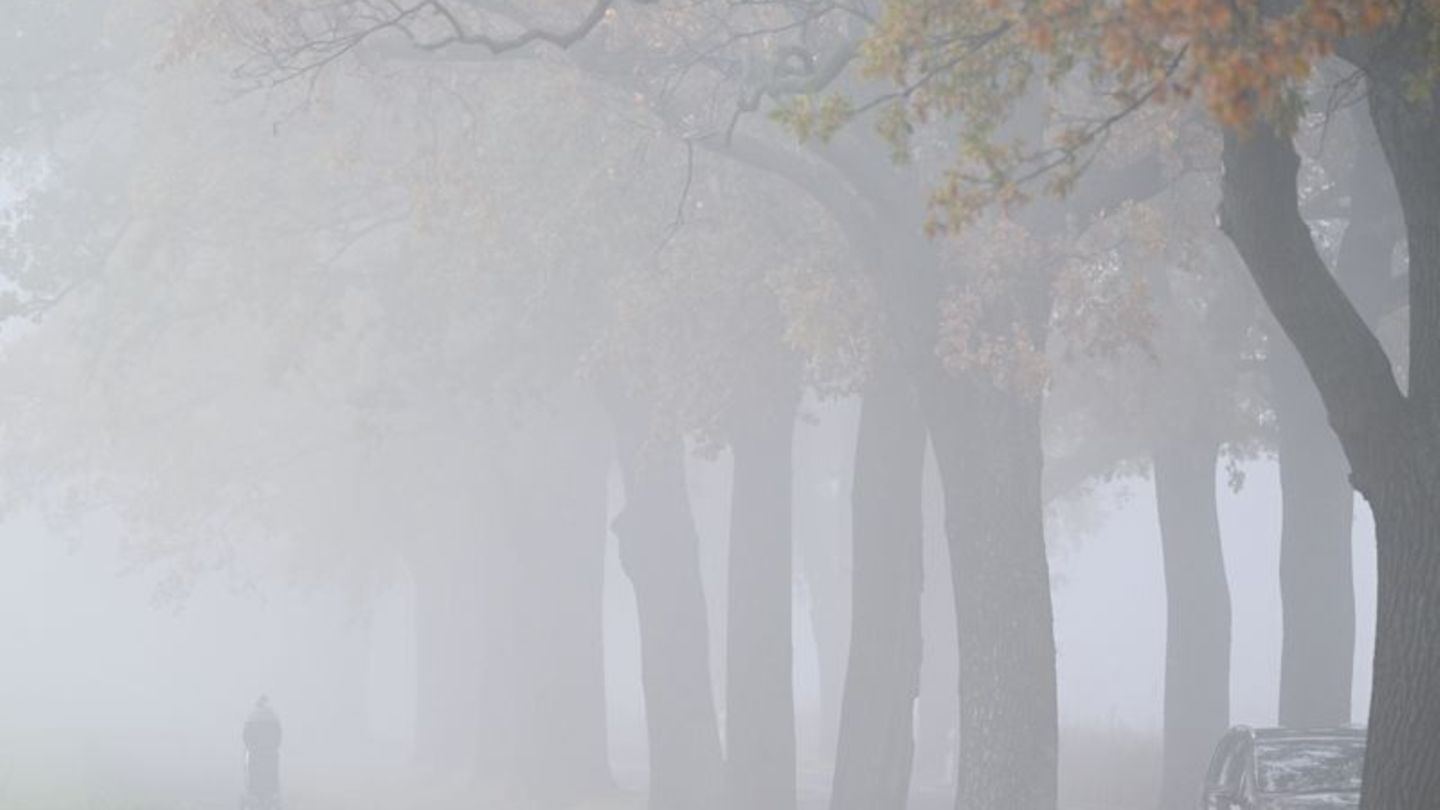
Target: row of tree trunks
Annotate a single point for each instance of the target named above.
(1197, 627)
(875, 747)
(1008, 691)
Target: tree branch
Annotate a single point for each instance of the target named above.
(1260, 213)
(291, 47)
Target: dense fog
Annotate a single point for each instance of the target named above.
(155, 701)
(691, 405)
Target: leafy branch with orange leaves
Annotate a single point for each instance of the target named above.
(975, 61)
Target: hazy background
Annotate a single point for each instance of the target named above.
(103, 684)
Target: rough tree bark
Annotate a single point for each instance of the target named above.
(1197, 602)
(991, 463)
(659, 551)
(759, 693)
(882, 681)
(1391, 439)
(1402, 765)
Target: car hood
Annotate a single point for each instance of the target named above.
(1311, 801)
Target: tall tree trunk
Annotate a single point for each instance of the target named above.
(1408, 127)
(991, 462)
(939, 707)
(1317, 586)
(562, 738)
(873, 757)
(1197, 627)
(659, 551)
(824, 463)
(759, 692)
(1316, 572)
(1402, 762)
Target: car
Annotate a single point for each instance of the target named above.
(1286, 769)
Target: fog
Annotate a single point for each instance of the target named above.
(109, 688)
(718, 405)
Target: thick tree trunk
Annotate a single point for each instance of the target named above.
(1197, 601)
(1317, 587)
(1402, 765)
(760, 700)
(1402, 762)
(991, 462)
(873, 756)
(659, 552)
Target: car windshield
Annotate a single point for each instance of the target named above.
(1309, 766)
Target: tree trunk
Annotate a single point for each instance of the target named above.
(1409, 131)
(759, 693)
(1318, 502)
(562, 735)
(1197, 627)
(1317, 587)
(825, 458)
(1402, 762)
(659, 551)
(873, 756)
(1402, 765)
(991, 462)
(939, 707)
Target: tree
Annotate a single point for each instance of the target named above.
(1245, 65)
(1318, 501)
(286, 292)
